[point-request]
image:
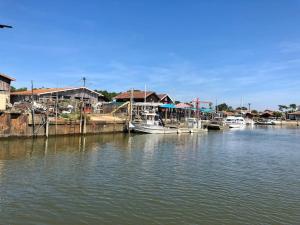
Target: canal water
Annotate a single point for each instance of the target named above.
(247, 176)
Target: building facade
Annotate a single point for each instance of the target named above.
(294, 115)
(138, 96)
(5, 82)
(165, 99)
(51, 94)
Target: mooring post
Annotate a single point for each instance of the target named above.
(32, 110)
(84, 124)
(47, 127)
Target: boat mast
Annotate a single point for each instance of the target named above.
(145, 97)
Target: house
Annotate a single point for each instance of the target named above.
(182, 105)
(294, 115)
(47, 94)
(5, 90)
(138, 96)
(165, 99)
(266, 114)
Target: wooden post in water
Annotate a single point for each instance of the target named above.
(47, 126)
(166, 115)
(80, 120)
(56, 112)
(32, 110)
(84, 124)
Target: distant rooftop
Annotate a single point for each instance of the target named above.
(49, 91)
(136, 94)
(297, 113)
(7, 77)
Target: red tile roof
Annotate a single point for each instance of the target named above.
(39, 91)
(47, 90)
(183, 105)
(7, 77)
(136, 95)
(161, 96)
(295, 113)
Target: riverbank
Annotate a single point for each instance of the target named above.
(289, 123)
(22, 125)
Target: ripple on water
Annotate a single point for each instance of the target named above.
(236, 177)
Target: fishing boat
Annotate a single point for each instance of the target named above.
(265, 122)
(152, 124)
(235, 122)
(249, 122)
(194, 125)
(217, 123)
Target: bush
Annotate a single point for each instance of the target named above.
(70, 116)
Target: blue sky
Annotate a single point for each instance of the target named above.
(213, 49)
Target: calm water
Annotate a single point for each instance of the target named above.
(234, 177)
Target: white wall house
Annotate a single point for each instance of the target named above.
(4, 90)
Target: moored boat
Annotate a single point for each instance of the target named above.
(265, 122)
(152, 124)
(235, 122)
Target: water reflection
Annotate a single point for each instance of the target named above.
(235, 177)
(22, 148)
(18, 148)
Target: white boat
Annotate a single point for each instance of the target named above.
(194, 125)
(235, 122)
(249, 122)
(152, 124)
(265, 122)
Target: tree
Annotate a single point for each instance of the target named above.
(13, 89)
(277, 114)
(293, 107)
(241, 108)
(108, 95)
(282, 107)
(230, 109)
(222, 107)
(254, 111)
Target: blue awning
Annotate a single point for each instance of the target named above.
(168, 106)
(206, 110)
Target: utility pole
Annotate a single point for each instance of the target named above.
(249, 104)
(84, 80)
(32, 109)
(198, 108)
(82, 107)
(145, 97)
(130, 110)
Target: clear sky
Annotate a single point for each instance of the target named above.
(213, 49)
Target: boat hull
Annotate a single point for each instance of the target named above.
(265, 123)
(154, 130)
(236, 126)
